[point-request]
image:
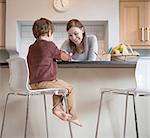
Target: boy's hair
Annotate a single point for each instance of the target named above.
(41, 27)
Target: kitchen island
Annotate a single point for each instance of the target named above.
(86, 78)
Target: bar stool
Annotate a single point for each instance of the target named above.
(18, 83)
(142, 76)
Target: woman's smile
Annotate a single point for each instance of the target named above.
(75, 35)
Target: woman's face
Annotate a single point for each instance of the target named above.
(75, 34)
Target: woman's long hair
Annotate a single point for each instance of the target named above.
(75, 23)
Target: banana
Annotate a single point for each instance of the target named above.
(123, 49)
(116, 49)
(117, 52)
(120, 49)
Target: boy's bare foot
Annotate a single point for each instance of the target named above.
(76, 122)
(62, 115)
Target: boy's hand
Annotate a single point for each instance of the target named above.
(66, 56)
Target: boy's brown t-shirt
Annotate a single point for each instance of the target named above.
(41, 60)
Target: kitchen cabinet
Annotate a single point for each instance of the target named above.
(2, 23)
(135, 23)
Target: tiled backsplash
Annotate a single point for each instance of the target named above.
(144, 52)
(4, 55)
(98, 28)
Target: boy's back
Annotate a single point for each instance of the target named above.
(42, 58)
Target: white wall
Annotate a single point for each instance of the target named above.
(29, 10)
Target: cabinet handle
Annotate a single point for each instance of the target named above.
(147, 34)
(142, 33)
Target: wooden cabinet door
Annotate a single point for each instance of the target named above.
(147, 23)
(131, 23)
(2, 24)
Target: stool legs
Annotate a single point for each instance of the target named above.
(99, 111)
(4, 115)
(67, 111)
(46, 116)
(27, 115)
(125, 117)
(135, 115)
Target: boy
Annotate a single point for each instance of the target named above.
(41, 59)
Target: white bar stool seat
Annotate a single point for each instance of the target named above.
(142, 76)
(18, 82)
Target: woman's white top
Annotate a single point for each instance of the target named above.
(91, 49)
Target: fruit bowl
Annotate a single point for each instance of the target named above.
(124, 57)
(124, 52)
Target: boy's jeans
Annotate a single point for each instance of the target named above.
(58, 99)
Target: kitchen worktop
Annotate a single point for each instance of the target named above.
(91, 64)
(97, 64)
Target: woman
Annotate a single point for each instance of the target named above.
(81, 46)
